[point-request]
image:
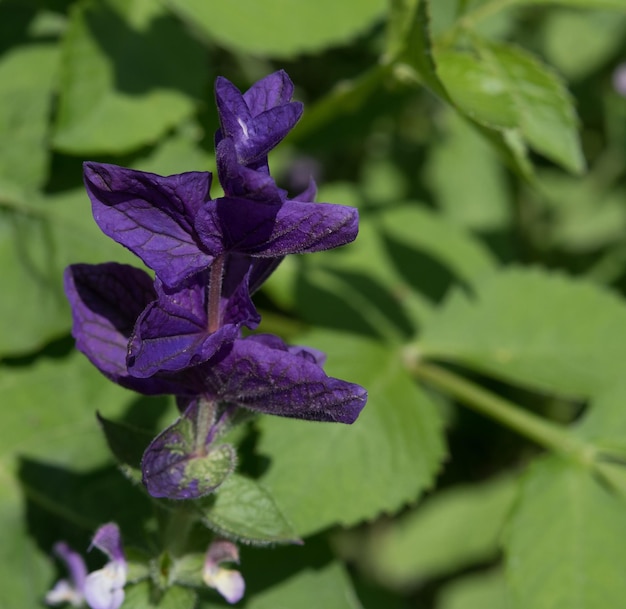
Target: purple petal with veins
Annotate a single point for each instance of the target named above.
(262, 373)
(106, 300)
(151, 215)
(273, 230)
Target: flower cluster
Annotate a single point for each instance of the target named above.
(181, 332)
(104, 588)
(101, 589)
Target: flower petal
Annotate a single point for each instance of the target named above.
(274, 229)
(108, 539)
(172, 333)
(106, 300)
(275, 89)
(229, 583)
(104, 589)
(151, 215)
(262, 373)
(238, 180)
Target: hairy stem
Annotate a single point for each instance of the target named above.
(215, 294)
(535, 428)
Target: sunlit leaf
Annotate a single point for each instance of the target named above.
(352, 473)
(280, 28)
(536, 328)
(564, 543)
(121, 84)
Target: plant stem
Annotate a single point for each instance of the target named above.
(176, 533)
(215, 294)
(539, 430)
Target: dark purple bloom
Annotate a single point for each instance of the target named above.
(153, 216)
(180, 333)
(257, 120)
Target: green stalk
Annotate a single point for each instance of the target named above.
(541, 431)
(177, 530)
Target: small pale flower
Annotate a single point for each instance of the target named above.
(228, 582)
(104, 589)
(70, 591)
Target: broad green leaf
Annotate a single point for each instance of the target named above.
(583, 216)
(414, 46)
(564, 546)
(328, 587)
(451, 530)
(36, 244)
(352, 473)
(141, 596)
(121, 82)
(604, 422)
(478, 89)
(281, 28)
(48, 417)
(592, 4)
(533, 327)
(480, 591)
(543, 107)
(126, 442)
(577, 43)
(477, 196)
(243, 510)
(425, 231)
(27, 77)
(385, 284)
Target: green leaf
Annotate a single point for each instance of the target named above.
(140, 596)
(453, 529)
(126, 442)
(121, 82)
(481, 591)
(48, 417)
(27, 76)
(604, 422)
(583, 216)
(592, 4)
(37, 241)
(280, 28)
(352, 473)
(478, 89)
(543, 107)
(411, 43)
(424, 231)
(243, 510)
(564, 546)
(329, 587)
(478, 197)
(533, 327)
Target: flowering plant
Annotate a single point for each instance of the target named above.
(180, 332)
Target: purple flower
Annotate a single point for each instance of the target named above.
(71, 591)
(228, 582)
(257, 120)
(101, 589)
(181, 332)
(104, 589)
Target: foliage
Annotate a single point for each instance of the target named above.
(482, 305)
